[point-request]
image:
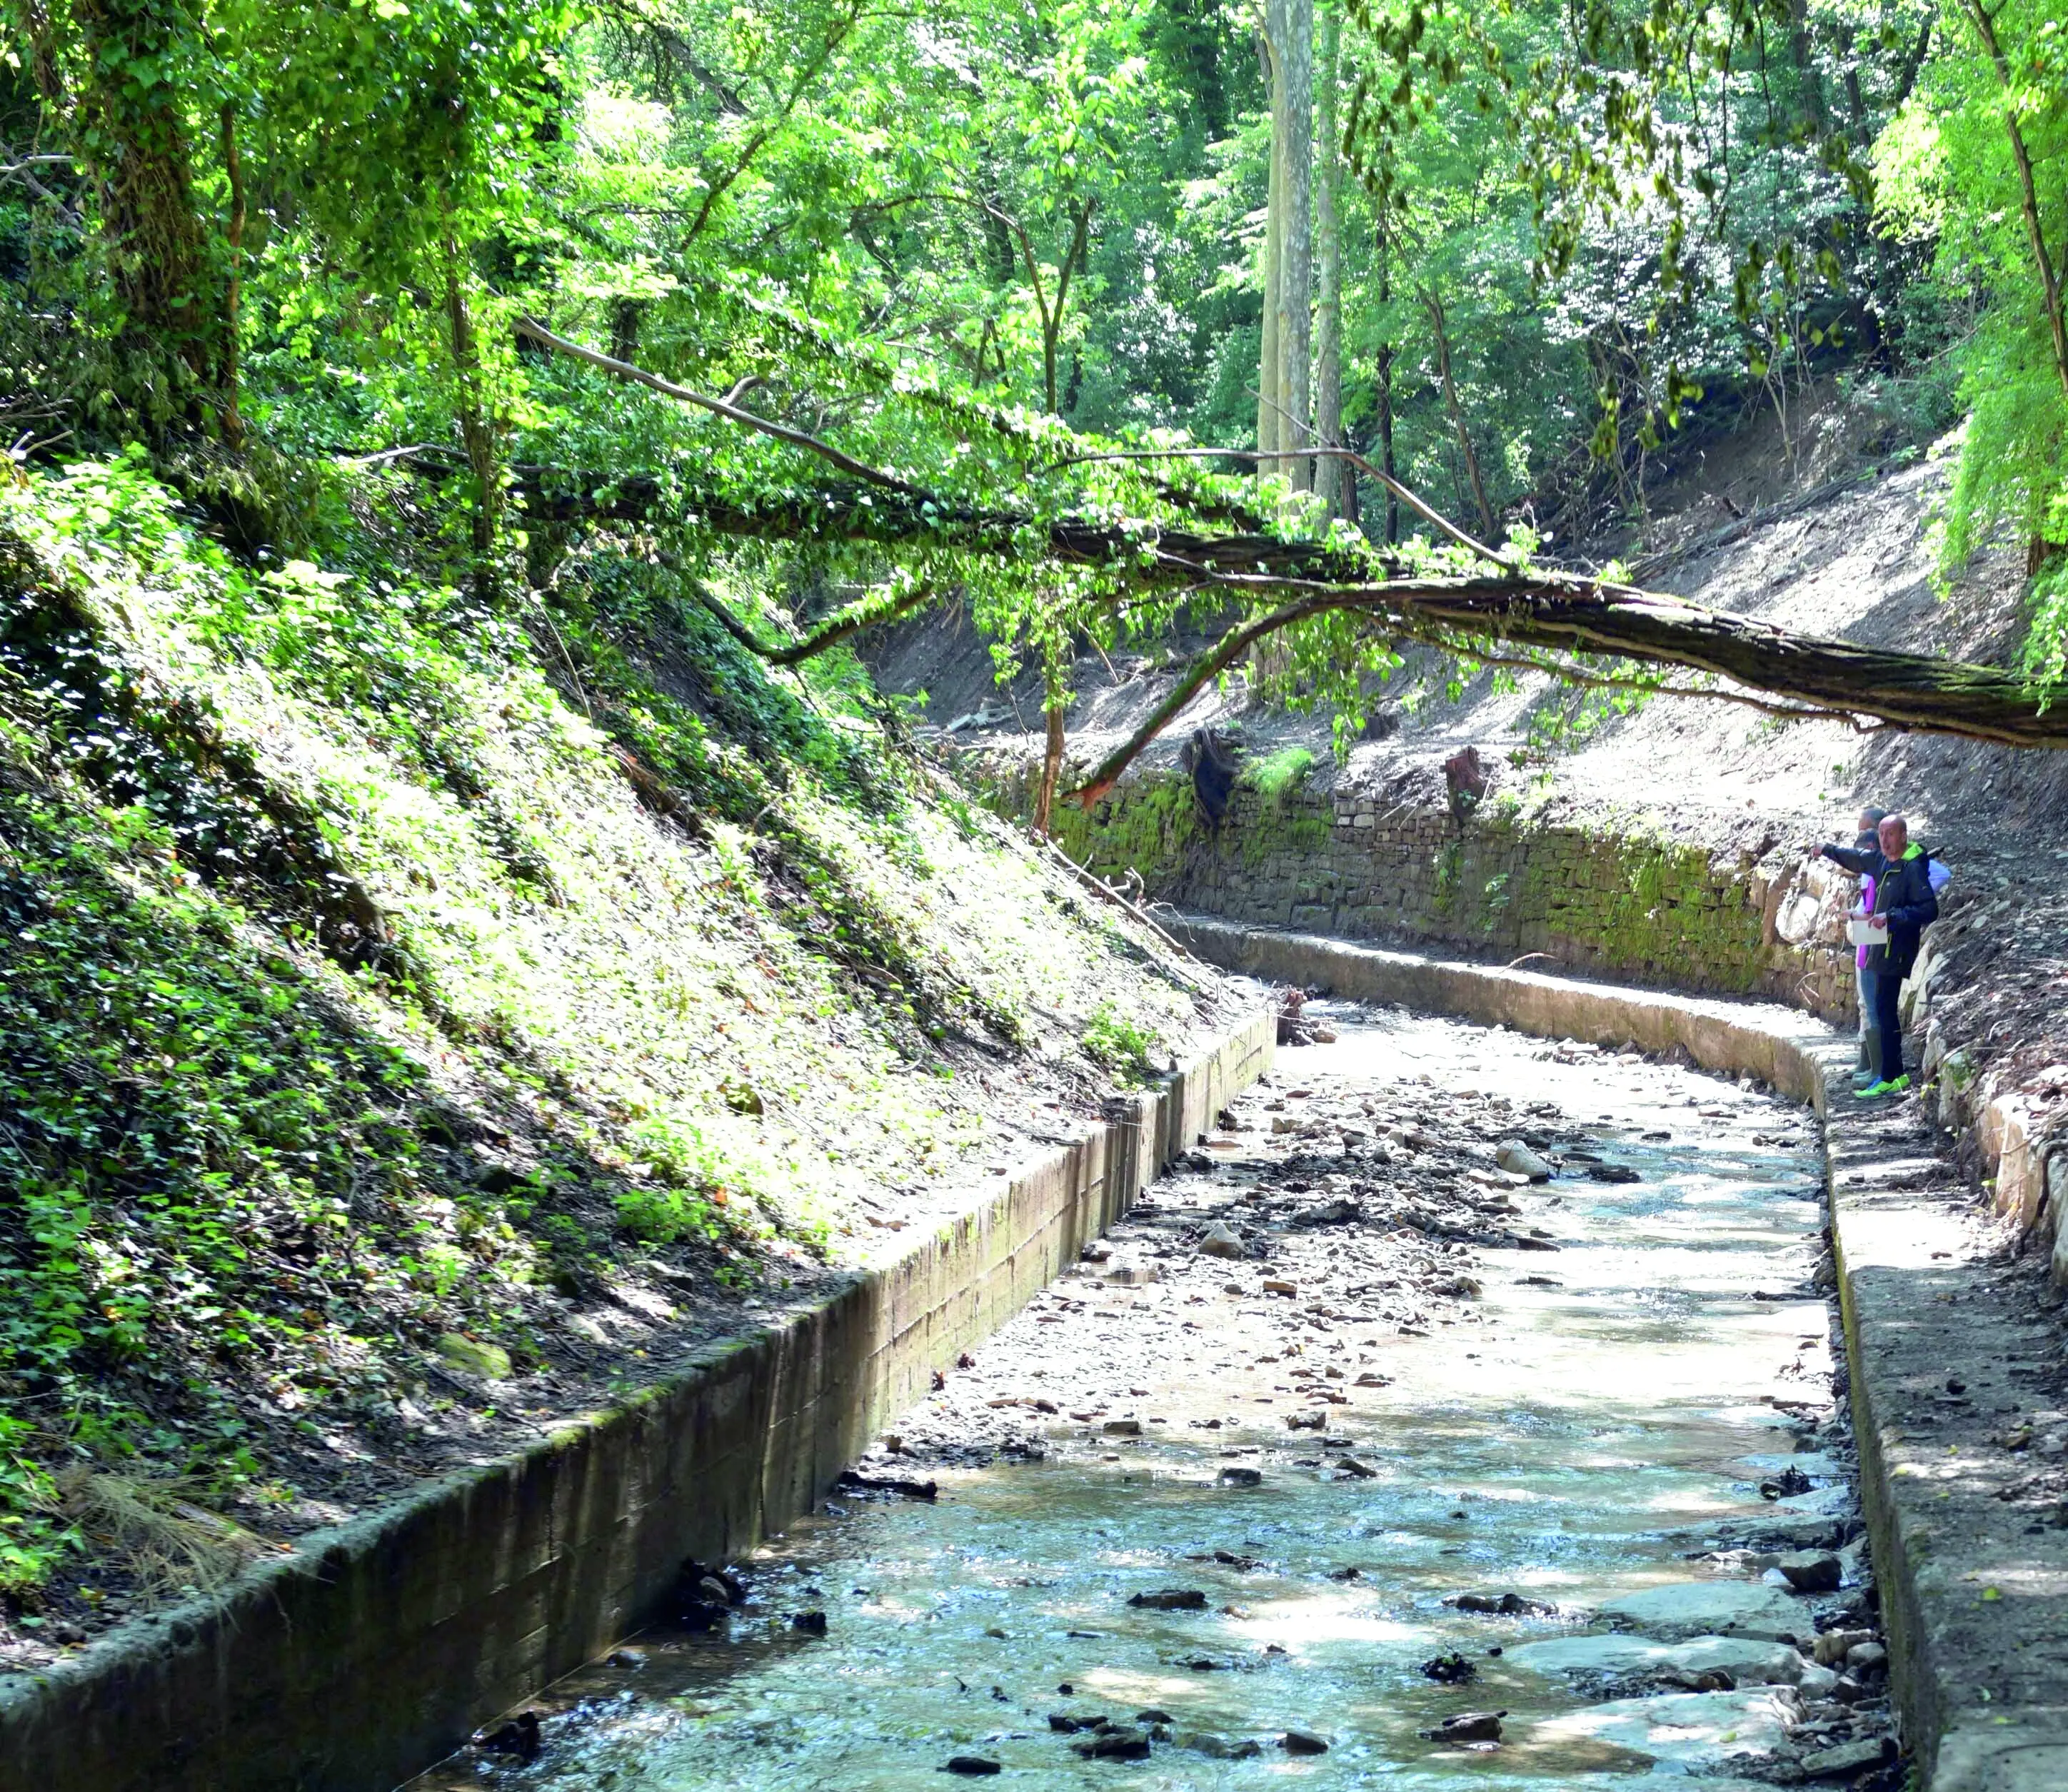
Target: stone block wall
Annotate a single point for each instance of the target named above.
(1600, 896)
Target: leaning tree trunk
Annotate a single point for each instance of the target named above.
(1432, 302)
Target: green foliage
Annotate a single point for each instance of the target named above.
(1951, 180)
(1277, 774)
(1117, 1045)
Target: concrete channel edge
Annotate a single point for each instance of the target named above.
(376, 1647)
(1951, 1585)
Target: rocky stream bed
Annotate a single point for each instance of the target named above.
(1463, 1411)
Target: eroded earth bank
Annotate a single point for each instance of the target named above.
(1363, 1448)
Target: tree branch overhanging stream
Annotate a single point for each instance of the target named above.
(1508, 604)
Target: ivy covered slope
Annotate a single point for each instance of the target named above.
(400, 997)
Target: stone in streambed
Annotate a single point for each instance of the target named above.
(1833, 1645)
(1710, 1608)
(1220, 1241)
(1170, 1598)
(1514, 1156)
(1843, 1762)
(1217, 1748)
(1241, 1477)
(972, 1765)
(1812, 1571)
(1682, 1730)
(1304, 1741)
(1505, 1605)
(1748, 1661)
(1467, 1726)
(1116, 1742)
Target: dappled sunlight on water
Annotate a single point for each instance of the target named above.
(1568, 1442)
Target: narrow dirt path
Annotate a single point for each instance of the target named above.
(1362, 1448)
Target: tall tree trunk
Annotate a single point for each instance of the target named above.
(1384, 246)
(1432, 302)
(1296, 315)
(134, 139)
(1815, 111)
(1334, 478)
(477, 430)
(1269, 365)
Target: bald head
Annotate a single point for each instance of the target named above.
(1894, 835)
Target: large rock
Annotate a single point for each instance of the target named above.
(1517, 1158)
(1219, 1242)
(1711, 1608)
(1682, 1729)
(1749, 1660)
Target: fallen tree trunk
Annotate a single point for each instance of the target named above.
(1830, 679)
(1550, 611)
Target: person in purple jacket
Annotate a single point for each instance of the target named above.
(1869, 1068)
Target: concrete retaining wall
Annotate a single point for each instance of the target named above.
(375, 1649)
(1976, 1609)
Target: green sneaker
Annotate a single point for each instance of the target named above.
(1874, 1091)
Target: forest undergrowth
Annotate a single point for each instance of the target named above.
(420, 1019)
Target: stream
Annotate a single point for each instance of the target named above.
(1440, 1476)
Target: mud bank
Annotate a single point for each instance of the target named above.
(367, 1650)
(1956, 1370)
(1353, 1455)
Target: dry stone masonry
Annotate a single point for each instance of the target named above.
(1383, 857)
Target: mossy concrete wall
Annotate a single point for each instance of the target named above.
(370, 1651)
(1602, 896)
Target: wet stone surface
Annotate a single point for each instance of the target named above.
(1349, 1455)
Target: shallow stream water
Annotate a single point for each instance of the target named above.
(1575, 1426)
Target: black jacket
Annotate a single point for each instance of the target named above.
(1902, 895)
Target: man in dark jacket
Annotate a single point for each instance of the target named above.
(1904, 906)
